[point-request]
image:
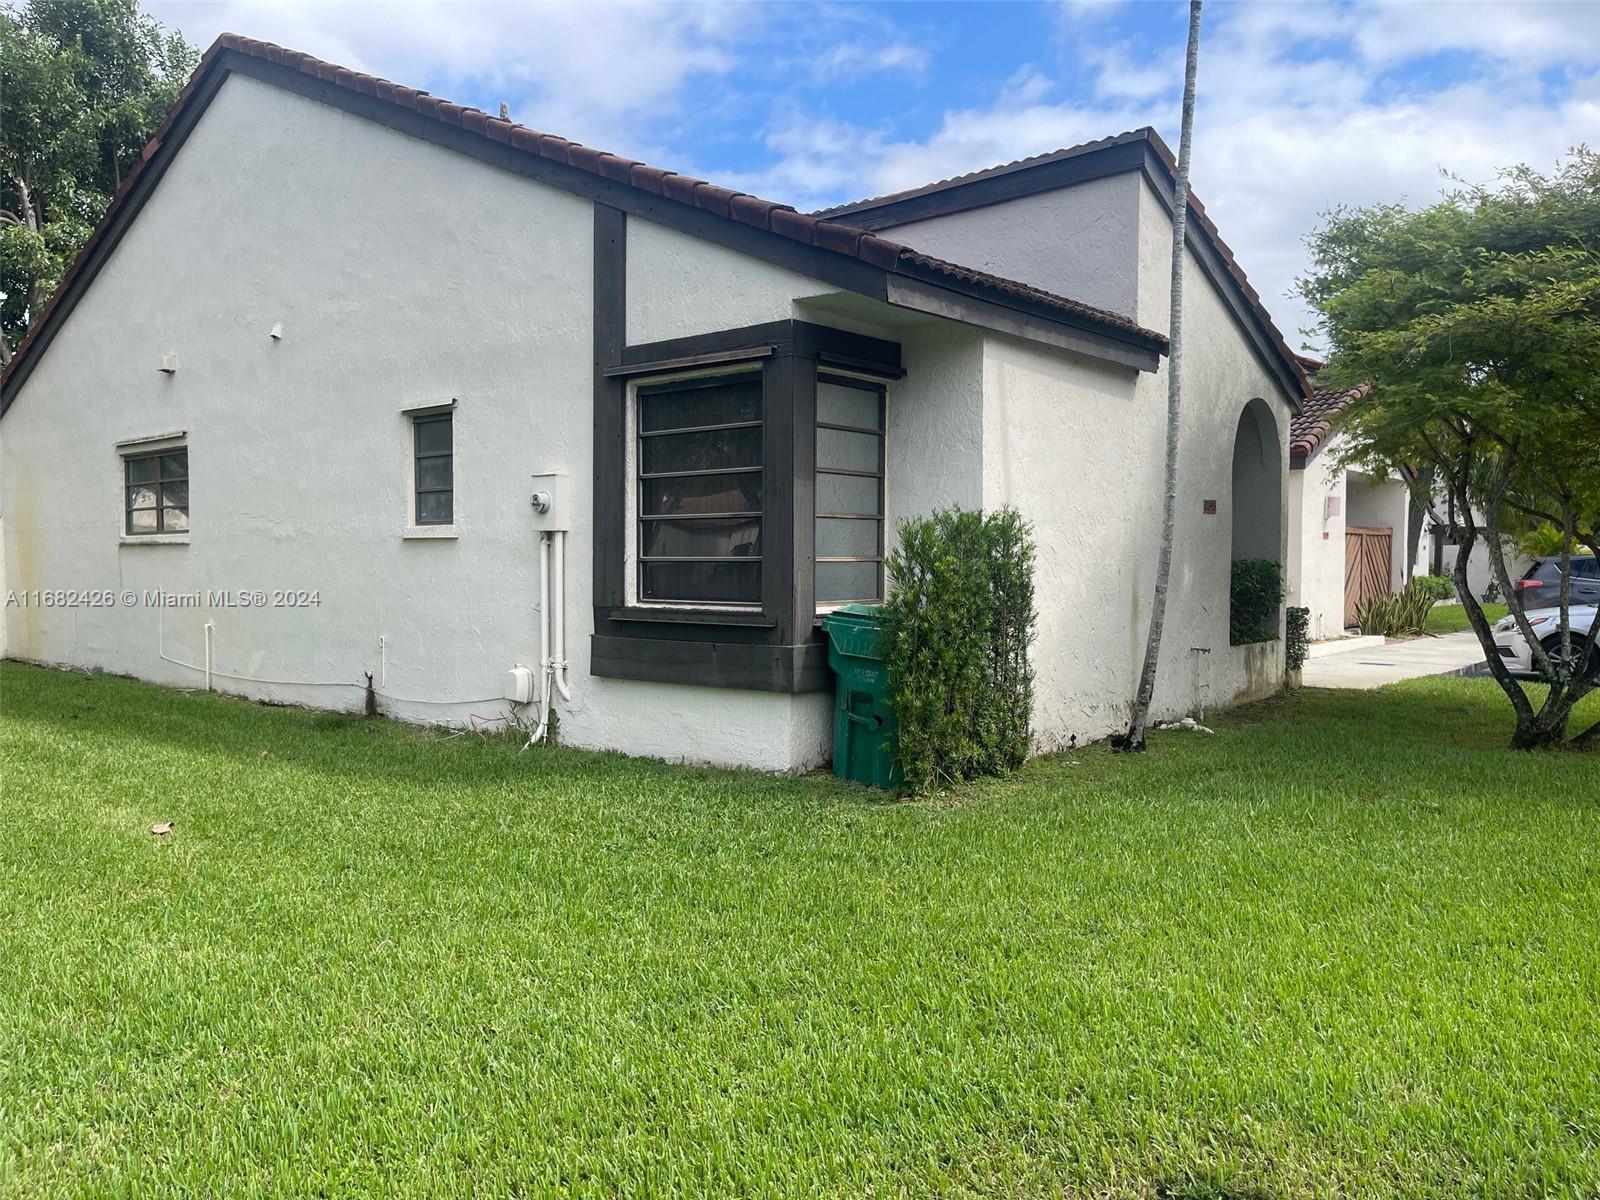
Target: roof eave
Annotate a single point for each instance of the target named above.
(849, 257)
(1140, 149)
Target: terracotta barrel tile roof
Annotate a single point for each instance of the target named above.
(1310, 429)
(778, 218)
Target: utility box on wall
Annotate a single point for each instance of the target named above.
(551, 498)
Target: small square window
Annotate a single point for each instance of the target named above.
(155, 492)
(434, 476)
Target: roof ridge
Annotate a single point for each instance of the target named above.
(1163, 152)
(782, 219)
(1142, 133)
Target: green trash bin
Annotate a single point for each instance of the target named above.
(865, 746)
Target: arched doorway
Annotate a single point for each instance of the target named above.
(1257, 485)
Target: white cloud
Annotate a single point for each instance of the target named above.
(849, 59)
(585, 71)
(1294, 118)
(1302, 106)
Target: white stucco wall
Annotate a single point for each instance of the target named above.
(1221, 375)
(402, 274)
(1076, 241)
(1480, 573)
(935, 438)
(1316, 563)
(1315, 574)
(729, 289)
(1079, 448)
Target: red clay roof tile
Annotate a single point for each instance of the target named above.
(1309, 430)
(780, 219)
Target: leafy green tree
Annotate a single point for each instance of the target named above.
(85, 84)
(1477, 322)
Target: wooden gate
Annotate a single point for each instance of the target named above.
(1366, 567)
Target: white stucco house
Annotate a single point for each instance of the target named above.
(1349, 532)
(1444, 545)
(353, 384)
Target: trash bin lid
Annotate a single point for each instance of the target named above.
(856, 630)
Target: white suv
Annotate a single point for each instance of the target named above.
(1546, 623)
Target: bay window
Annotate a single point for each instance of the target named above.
(739, 490)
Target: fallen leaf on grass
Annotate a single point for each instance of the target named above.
(161, 828)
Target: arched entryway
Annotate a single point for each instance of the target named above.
(1257, 485)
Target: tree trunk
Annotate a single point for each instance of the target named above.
(1133, 739)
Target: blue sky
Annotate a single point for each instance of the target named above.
(1303, 106)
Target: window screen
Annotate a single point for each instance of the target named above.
(849, 532)
(433, 443)
(700, 491)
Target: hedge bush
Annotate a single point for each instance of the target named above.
(1254, 597)
(1296, 628)
(1438, 587)
(959, 619)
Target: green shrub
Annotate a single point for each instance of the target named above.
(1296, 627)
(959, 620)
(1404, 615)
(1543, 541)
(1438, 587)
(1254, 597)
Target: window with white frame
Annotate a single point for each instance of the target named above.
(155, 492)
(849, 490)
(699, 490)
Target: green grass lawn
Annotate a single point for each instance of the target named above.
(1452, 618)
(1346, 947)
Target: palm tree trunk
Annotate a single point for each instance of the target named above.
(1134, 738)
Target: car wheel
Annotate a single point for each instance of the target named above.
(1552, 647)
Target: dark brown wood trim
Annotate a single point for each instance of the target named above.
(840, 269)
(757, 667)
(1238, 306)
(669, 616)
(689, 362)
(104, 243)
(778, 648)
(994, 189)
(610, 332)
(1100, 163)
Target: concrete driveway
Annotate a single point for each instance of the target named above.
(1374, 666)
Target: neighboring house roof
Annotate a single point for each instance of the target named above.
(380, 96)
(1138, 148)
(1309, 430)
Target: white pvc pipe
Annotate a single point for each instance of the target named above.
(544, 623)
(558, 614)
(542, 689)
(208, 628)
